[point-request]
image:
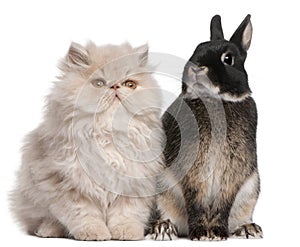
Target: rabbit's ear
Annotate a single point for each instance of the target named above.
(216, 31)
(242, 36)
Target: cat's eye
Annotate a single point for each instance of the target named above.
(227, 59)
(129, 83)
(98, 83)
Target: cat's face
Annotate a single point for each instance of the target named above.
(99, 78)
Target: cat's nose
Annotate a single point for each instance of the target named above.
(115, 86)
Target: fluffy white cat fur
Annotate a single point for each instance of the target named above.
(88, 171)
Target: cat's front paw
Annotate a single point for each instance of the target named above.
(92, 233)
(163, 230)
(248, 231)
(127, 231)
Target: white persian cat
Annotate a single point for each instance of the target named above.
(88, 171)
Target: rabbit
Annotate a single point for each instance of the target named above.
(211, 181)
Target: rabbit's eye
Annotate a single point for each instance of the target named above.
(227, 59)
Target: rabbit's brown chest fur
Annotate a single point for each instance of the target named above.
(234, 162)
(225, 157)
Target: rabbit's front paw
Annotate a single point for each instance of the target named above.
(215, 233)
(198, 232)
(218, 233)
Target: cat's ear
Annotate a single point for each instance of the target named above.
(142, 52)
(77, 56)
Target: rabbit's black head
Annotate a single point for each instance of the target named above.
(217, 66)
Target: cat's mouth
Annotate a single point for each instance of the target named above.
(117, 97)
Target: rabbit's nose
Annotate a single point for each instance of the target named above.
(203, 68)
(194, 71)
(197, 69)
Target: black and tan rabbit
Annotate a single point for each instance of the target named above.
(212, 173)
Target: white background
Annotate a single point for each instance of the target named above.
(35, 34)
